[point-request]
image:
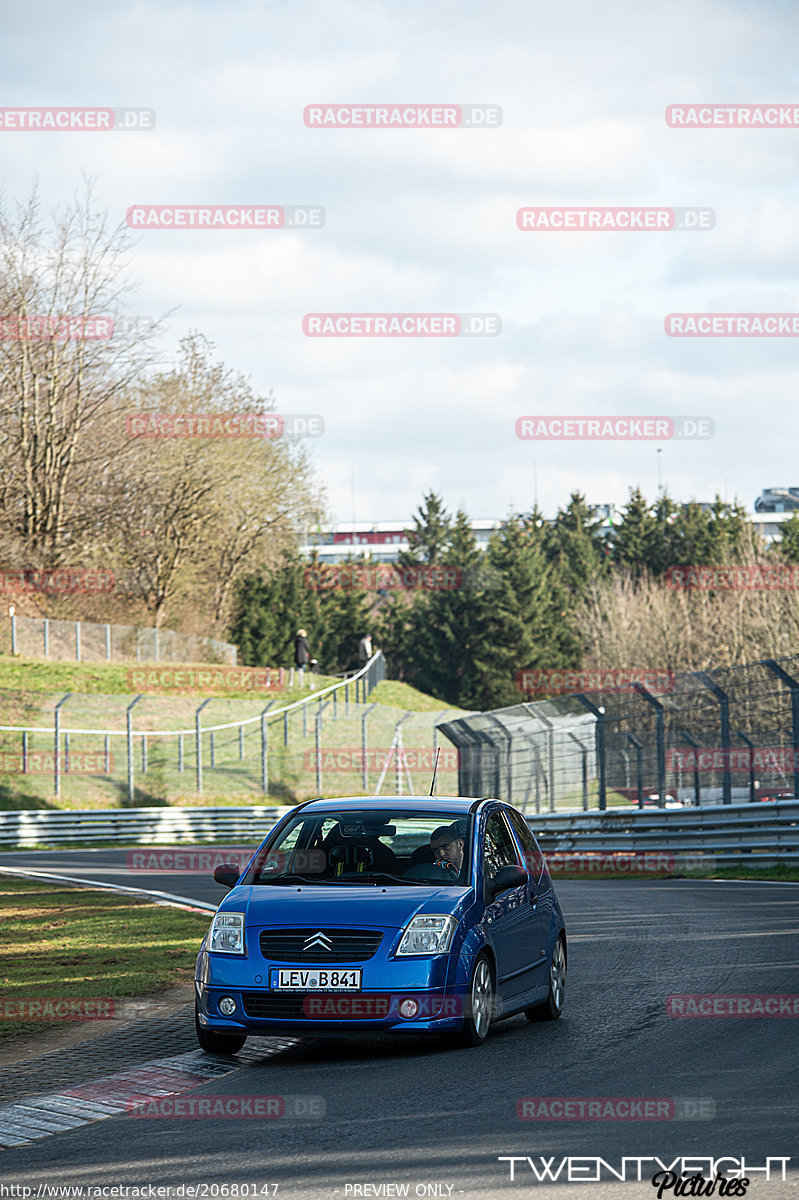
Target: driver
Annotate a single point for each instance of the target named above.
(447, 843)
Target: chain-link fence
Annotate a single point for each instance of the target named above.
(98, 751)
(87, 641)
(721, 736)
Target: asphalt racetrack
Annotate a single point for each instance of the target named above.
(410, 1112)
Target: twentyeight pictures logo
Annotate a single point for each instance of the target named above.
(626, 220)
(402, 116)
(400, 324)
(575, 429)
(76, 120)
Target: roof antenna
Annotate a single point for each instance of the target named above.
(435, 771)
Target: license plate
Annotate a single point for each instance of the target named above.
(319, 979)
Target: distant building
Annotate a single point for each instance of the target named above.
(778, 500)
(380, 541)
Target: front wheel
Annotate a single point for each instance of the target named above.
(480, 1006)
(552, 1007)
(217, 1043)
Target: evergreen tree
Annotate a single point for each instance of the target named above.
(575, 546)
(635, 544)
(429, 536)
(788, 545)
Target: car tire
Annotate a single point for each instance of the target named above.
(217, 1043)
(552, 1007)
(480, 1005)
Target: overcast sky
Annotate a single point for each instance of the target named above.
(425, 221)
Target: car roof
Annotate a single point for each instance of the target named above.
(453, 804)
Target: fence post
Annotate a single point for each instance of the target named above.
(724, 704)
(364, 775)
(77, 641)
(66, 752)
(694, 744)
(265, 750)
(318, 745)
(144, 754)
(129, 724)
(57, 723)
(793, 684)
(25, 753)
(660, 739)
(584, 753)
(108, 643)
(751, 746)
(639, 759)
(198, 741)
(551, 756)
(107, 747)
(12, 614)
(46, 637)
(241, 742)
(599, 712)
(180, 751)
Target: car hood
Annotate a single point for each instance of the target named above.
(343, 905)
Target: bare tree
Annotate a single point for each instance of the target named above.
(67, 357)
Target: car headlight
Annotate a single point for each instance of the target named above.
(227, 933)
(428, 935)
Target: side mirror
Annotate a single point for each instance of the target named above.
(506, 878)
(226, 875)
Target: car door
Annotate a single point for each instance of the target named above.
(511, 920)
(542, 894)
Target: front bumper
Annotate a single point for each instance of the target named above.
(438, 985)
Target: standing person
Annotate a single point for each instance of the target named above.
(365, 649)
(301, 651)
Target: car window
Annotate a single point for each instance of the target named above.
(499, 849)
(533, 858)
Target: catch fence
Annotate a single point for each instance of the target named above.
(88, 641)
(709, 737)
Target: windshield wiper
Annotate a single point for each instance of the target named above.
(375, 875)
(289, 878)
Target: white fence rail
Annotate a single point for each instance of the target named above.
(136, 826)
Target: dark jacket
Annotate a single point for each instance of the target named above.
(301, 652)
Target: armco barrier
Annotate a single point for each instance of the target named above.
(139, 826)
(754, 834)
(740, 833)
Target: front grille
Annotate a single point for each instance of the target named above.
(346, 945)
(297, 1007)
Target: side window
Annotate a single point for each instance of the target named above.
(533, 858)
(499, 849)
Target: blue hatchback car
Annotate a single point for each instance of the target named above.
(384, 915)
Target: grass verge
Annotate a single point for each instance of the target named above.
(71, 943)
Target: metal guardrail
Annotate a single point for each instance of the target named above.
(138, 826)
(733, 834)
(756, 835)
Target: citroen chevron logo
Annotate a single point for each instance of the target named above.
(318, 941)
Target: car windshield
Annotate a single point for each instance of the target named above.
(368, 846)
